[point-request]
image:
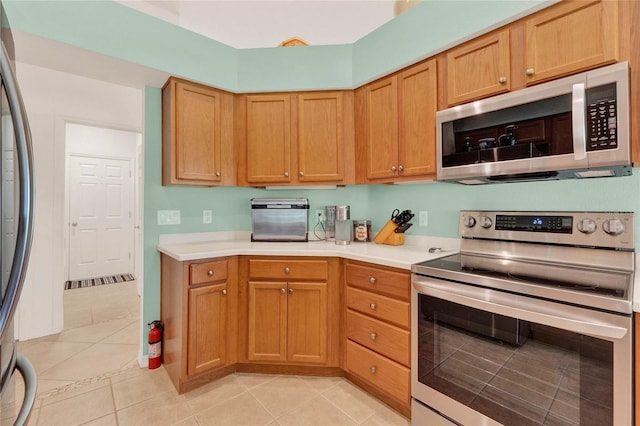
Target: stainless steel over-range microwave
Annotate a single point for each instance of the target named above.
(574, 127)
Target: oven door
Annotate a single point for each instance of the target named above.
(482, 356)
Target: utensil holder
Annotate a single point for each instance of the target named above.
(388, 236)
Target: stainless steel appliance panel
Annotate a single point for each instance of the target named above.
(279, 219)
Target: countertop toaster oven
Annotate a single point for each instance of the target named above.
(279, 219)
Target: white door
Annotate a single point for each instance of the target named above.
(100, 216)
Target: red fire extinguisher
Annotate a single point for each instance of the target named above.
(155, 344)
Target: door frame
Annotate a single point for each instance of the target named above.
(137, 188)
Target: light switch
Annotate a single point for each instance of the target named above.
(424, 218)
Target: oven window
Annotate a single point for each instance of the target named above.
(514, 371)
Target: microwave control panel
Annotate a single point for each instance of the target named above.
(601, 127)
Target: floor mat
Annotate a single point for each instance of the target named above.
(98, 281)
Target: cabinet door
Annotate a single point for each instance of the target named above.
(478, 68)
(268, 138)
(320, 137)
(207, 328)
(570, 37)
(267, 321)
(307, 322)
(381, 128)
(417, 105)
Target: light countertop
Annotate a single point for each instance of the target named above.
(185, 247)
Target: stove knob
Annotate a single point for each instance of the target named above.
(469, 221)
(587, 226)
(613, 227)
(485, 222)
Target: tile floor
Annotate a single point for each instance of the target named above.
(88, 375)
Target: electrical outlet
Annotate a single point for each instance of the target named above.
(320, 215)
(207, 216)
(168, 217)
(424, 218)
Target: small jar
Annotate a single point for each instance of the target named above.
(362, 230)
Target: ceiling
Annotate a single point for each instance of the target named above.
(246, 24)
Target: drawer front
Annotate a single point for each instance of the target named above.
(380, 307)
(388, 340)
(207, 272)
(394, 284)
(383, 373)
(288, 269)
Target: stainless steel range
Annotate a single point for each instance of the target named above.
(531, 323)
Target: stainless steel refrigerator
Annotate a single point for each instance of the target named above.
(16, 224)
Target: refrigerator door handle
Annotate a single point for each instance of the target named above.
(24, 367)
(25, 176)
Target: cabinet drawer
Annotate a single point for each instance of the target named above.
(385, 374)
(381, 337)
(380, 307)
(200, 273)
(395, 284)
(288, 269)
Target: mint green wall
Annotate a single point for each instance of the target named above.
(115, 30)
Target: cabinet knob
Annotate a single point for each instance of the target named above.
(290, 291)
(393, 168)
(372, 280)
(373, 370)
(287, 270)
(224, 292)
(530, 71)
(74, 224)
(400, 168)
(218, 174)
(286, 174)
(210, 272)
(283, 291)
(301, 173)
(373, 336)
(373, 306)
(502, 80)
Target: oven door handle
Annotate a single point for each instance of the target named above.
(580, 320)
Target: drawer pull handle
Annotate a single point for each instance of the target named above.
(373, 306)
(290, 291)
(530, 72)
(373, 370)
(502, 80)
(283, 291)
(373, 336)
(287, 270)
(372, 280)
(210, 272)
(224, 292)
(218, 174)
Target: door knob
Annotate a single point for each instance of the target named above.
(74, 224)
(224, 292)
(290, 291)
(283, 291)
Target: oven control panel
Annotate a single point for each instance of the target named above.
(597, 229)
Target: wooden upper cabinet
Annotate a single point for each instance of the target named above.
(320, 137)
(268, 139)
(381, 128)
(396, 128)
(417, 120)
(479, 68)
(304, 138)
(569, 37)
(197, 135)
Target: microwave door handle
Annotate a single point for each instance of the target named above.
(578, 123)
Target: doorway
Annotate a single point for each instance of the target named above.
(103, 222)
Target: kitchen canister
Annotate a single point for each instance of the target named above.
(343, 225)
(362, 231)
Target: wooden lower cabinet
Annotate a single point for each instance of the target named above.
(288, 304)
(198, 309)
(378, 332)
